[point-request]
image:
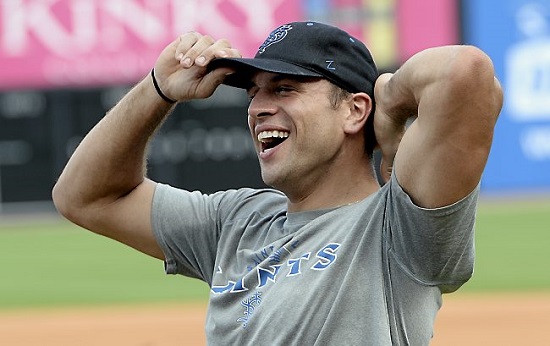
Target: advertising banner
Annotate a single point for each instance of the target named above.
(393, 29)
(426, 23)
(56, 43)
(516, 35)
(88, 43)
(64, 63)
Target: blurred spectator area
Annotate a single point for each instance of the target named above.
(65, 63)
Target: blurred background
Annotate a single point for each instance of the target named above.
(64, 63)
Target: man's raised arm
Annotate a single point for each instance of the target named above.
(103, 187)
(456, 98)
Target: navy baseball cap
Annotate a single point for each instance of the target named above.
(308, 49)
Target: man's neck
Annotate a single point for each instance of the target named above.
(332, 193)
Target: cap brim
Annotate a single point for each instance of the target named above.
(245, 68)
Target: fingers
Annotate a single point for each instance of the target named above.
(196, 49)
(181, 68)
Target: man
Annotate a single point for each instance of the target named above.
(328, 257)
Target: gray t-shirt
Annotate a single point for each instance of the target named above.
(369, 273)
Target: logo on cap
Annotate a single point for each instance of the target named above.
(276, 35)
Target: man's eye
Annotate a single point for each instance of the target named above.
(282, 89)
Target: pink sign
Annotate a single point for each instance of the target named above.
(392, 29)
(426, 23)
(51, 43)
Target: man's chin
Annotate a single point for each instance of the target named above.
(272, 180)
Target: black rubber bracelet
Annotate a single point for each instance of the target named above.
(157, 88)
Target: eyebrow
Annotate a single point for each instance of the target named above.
(276, 78)
(281, 77)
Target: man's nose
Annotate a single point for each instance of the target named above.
(261, 105)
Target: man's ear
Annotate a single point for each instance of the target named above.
(360, 107)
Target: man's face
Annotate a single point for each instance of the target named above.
(296, 131)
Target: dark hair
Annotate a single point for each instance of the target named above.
(339, 95)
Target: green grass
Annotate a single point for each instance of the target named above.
(57, 264)
(512, 247)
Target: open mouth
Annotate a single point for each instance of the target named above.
(271, 139)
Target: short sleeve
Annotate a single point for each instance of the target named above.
(434, 246)
(188, 225)
(185, 226)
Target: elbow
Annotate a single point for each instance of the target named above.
(470, 68)
(472, 75)
(60, 200)
(65, 204)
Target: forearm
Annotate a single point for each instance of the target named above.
(398, 96)
(110, 161)
(448, 70)
(456, 98)
(103, 187)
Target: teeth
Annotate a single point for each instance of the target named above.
(262, 136)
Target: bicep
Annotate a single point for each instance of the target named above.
(443, 153)
(128, 220)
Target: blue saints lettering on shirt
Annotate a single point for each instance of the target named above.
(259, 256)
(249, 305)
(275, 257)
(295, 264)
(326, 256)
(264, 275)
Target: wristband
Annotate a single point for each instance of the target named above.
(157, 88)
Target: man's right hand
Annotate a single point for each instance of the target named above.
(181, 70)
(103, 187)
(389, 124)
